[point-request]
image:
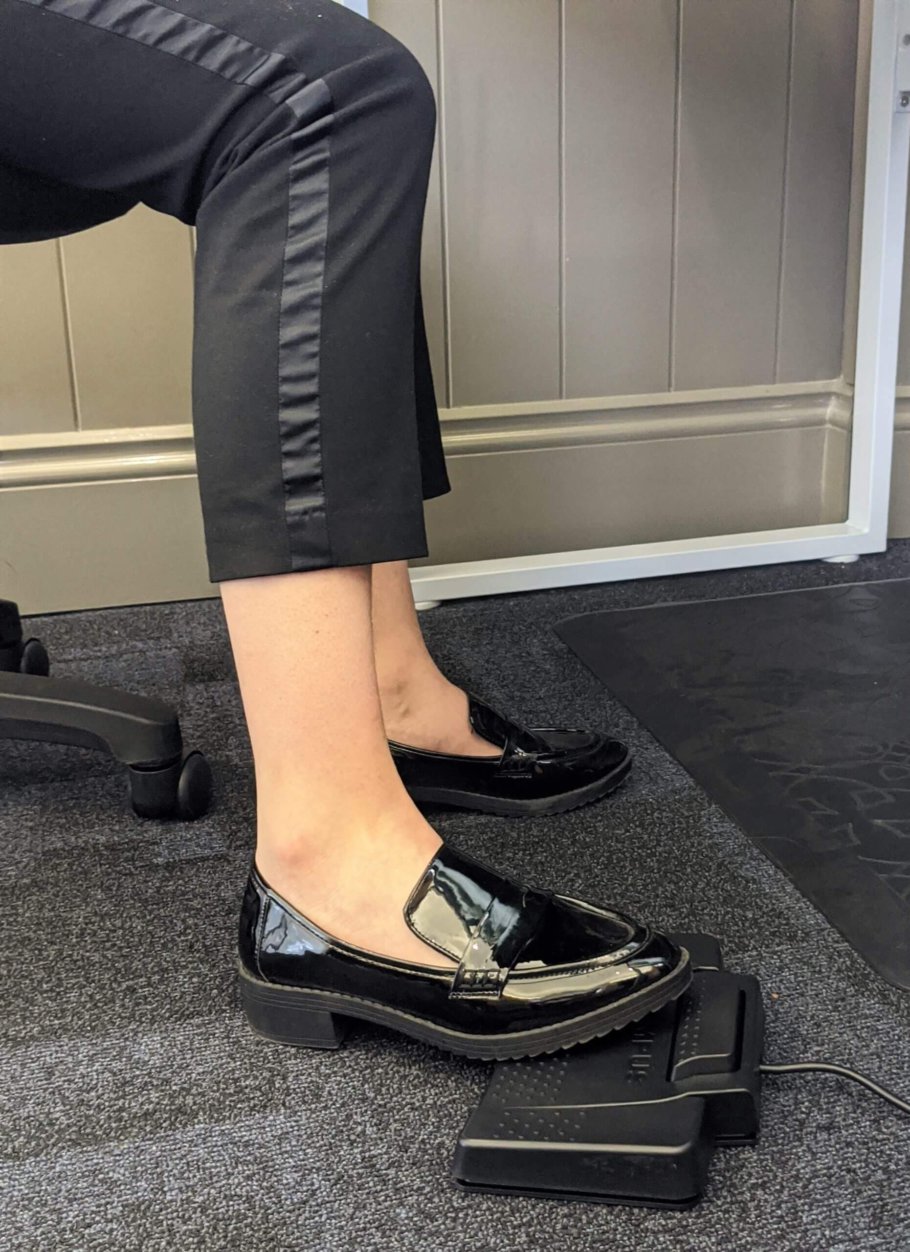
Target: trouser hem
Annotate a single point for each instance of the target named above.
(357, 539)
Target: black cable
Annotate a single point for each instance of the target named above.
(827, 1067)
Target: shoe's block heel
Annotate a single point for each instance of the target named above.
(278, 1014)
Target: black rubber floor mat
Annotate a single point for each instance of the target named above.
(793, 712)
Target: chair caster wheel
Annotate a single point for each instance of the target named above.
(182, 789)
(34, 658)
(194, 787)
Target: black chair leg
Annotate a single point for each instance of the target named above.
(140, 732)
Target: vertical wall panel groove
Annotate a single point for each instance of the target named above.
(903, 364)
(444, 203)
(562, 200)
(130, 287)
(502, 154)
(620, 107)
(785, 189)
(35, 388)
(68, 333)
(857, 179)
(732, 129)
(816, 207)
(674, 230)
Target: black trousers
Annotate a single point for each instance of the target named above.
(297, 137)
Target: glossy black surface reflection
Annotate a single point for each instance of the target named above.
(792, 710)
(532, 970)
(539, 771)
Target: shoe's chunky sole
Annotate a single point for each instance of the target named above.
(318, 1019)
(563, 802)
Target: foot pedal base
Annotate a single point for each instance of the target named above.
(634, 1118)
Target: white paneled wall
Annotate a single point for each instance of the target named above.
(629, 196)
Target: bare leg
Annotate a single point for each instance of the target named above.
(420, 707)
(337, 834)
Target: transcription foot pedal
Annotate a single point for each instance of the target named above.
(633, 1118)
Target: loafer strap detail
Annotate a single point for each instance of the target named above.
(478, 918)
(502, 934)
(517, 742)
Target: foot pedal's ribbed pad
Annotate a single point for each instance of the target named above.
(634, 1118)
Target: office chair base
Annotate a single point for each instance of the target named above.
(142, 733)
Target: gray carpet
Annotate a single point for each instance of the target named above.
(137, 1112)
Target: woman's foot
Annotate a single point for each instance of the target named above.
(527, 972)
(354, 882)
(533, 772)
(426, 711)
(419, 705)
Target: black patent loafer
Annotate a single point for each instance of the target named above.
(538, 771)
(534, 973)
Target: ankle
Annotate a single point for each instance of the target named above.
(354, 885)
(304, 825)
(299, 836)
(403, 694)
(420, 703)
(345, 787)
(433, 717)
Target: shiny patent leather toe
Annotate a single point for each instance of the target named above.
(533, 972)
(540, 771)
